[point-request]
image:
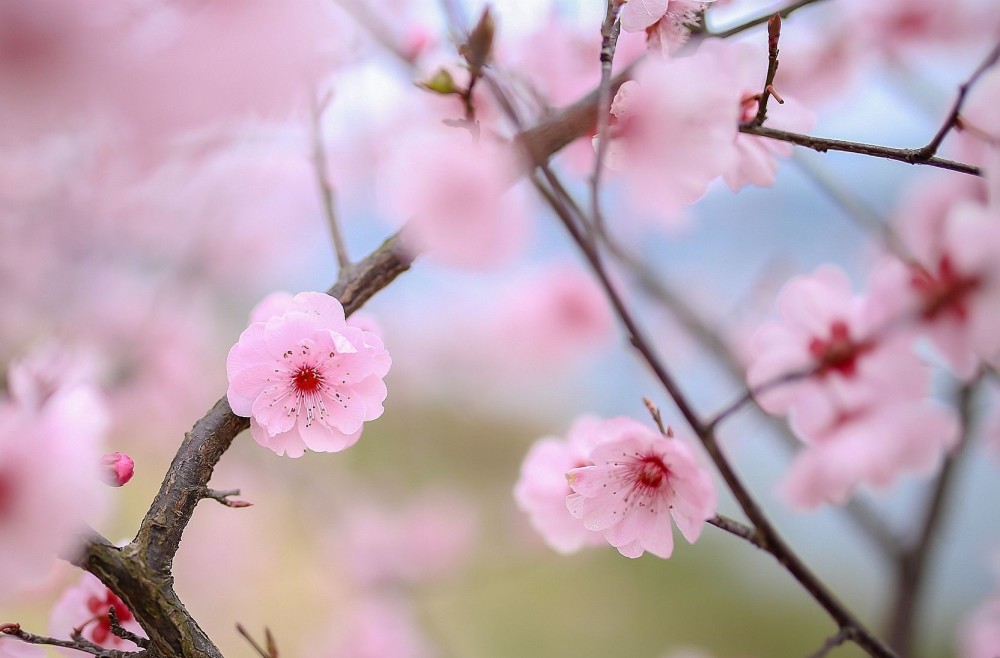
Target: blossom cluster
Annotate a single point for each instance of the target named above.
(616, 481)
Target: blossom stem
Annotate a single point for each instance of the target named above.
(953, 118)
(323, 181)
(911, 568)
(738, 529)
(610, 29)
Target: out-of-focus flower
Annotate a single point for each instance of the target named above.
(674, 129)
(843, 357)
(638, 481)
(306, 378)
(11, 647)
(454, 194)
(980, 635)
(426, 538)
(376, 628)
(667, 23)
(118, 468)
(871, 444)
(86, 605)
(50, 477)
(951, 288)
(541, 490)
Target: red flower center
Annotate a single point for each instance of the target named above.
(838, 352)
(651, 472)
(944, 291)
(100, 608)
(307, 380)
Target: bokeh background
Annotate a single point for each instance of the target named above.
(150, 259)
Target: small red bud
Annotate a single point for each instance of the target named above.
(118, 468)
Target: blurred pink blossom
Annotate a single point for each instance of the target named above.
(50, 477)
(454, 194)
(86, 605)
(541, 489)
(980, 635)
(428, 537)
(845, 360)
(674, 130)
(378, 628)
(11, 647)
(638, 480)
(951, 288)
(872, 445)
(667, 23)
(307, 379)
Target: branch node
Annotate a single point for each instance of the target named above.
(221, 496)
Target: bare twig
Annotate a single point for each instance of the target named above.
(741, 530)
(323, 182)
(823, 144)
(759, 20)
(14, 630)
(912, 566)
(953, 119)
(654, 412)
(270, 652)
(120, 631)
(222, 496)
(831, 643)
(773, 36)
(610, 29)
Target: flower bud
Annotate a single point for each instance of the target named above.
(118, 468)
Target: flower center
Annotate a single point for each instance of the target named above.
(100, 608)
(838, 352)
(307, 379)
(947, 290)
(651, 472)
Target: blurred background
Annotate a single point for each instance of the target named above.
(145, 209)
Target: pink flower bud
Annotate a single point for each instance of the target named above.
(118, 468)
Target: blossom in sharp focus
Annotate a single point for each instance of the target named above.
(638, 480)
(86, 605)
(541, 490)
(306, 378)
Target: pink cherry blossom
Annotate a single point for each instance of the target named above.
(86, 605)
(11, 647)
(951, 288)
(377, 628)
(638, 480)
(844, 358)
(980, 635)
(674, 130)
(118, 469)
(306, 378)
(426, 538)
(454, 194)
(667, 23)
(50, 477)
(871, 445)
(541, 489)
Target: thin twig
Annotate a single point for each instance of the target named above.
(323, 181)
(912, 567)
(831, 643)
(116, 627)
(759, 20)
(773, 36)
(610, 29)
(14, 630)
(263, 653)
(953, 118)
(823, 144)
(741, 530)
(654, 412)
(222, 496)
